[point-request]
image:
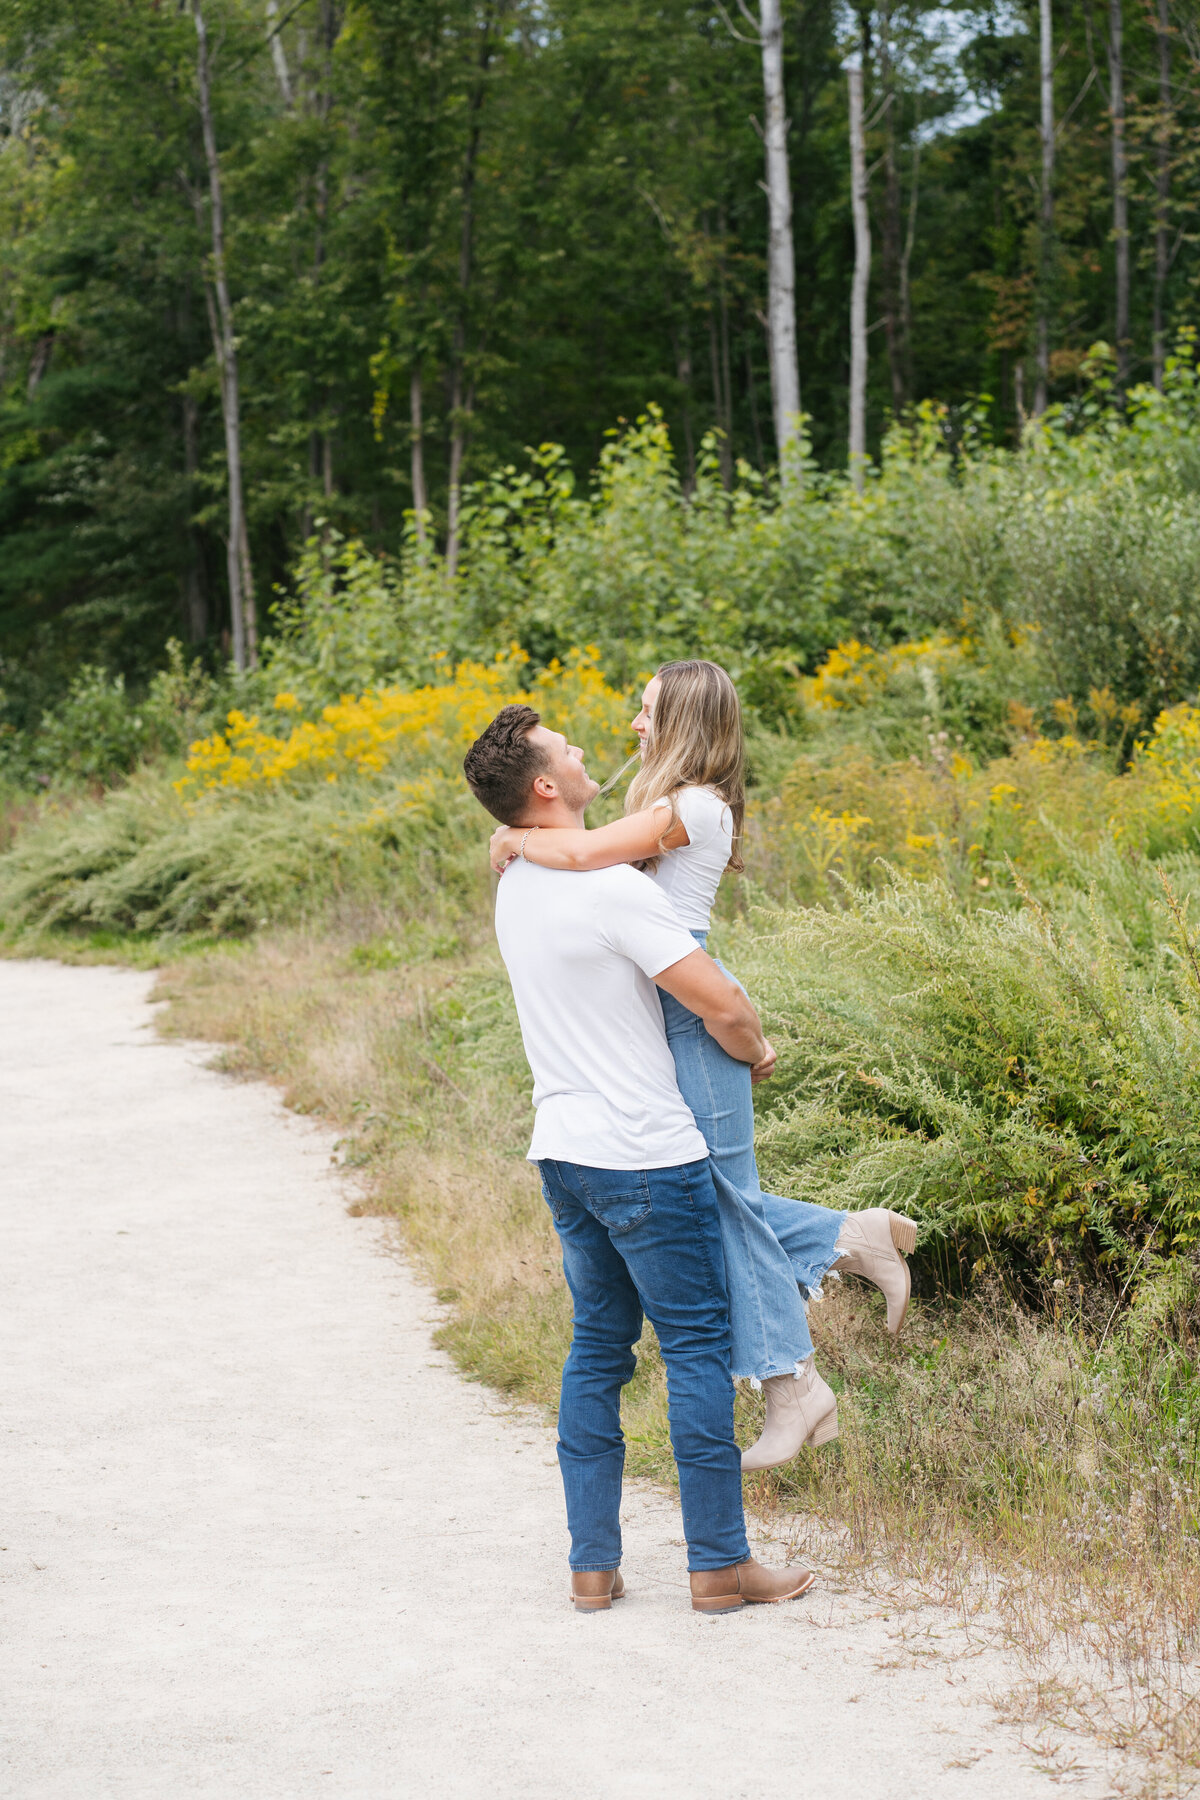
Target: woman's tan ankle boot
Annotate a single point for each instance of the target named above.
(874, 1244)
(801, 1409)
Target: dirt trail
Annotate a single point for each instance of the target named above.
(261, 1541)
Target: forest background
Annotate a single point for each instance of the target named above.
(451, 229)
(365, 366)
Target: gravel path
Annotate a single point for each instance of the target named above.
(261, 1541)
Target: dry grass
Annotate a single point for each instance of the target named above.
(989, 1463)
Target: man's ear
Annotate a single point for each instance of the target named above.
(545, 787)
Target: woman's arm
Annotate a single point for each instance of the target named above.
(561, 847)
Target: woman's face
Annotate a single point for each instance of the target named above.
(643, 721)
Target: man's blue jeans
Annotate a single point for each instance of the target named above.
(647, 1241)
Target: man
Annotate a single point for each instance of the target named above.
(624, 1169)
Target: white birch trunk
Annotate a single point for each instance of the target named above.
(862, 278)
(220, 313)
(283, 74)
(1046, 248)
(781, 262)
(1120, 171)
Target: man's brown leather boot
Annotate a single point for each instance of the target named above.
(746, 1584)
(594, 1590)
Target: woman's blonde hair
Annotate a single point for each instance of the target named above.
(695, 740)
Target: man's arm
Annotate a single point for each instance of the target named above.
(727, 1014)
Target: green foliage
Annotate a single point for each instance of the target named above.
(536, 219)
(94, 733)
(141, 862)
(99, 730)
(1090, 537)
(340, 630)
(1026, 1082)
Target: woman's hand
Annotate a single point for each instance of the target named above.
(504, 847)
(763, 1071)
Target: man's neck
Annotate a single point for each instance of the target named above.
(553, 813)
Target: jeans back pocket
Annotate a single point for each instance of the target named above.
(618, 1198)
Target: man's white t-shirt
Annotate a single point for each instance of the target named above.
(690, 877)
(582, 951)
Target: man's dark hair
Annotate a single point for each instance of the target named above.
(502, 763)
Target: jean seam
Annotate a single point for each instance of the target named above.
(760, 1322)
(715, 1292)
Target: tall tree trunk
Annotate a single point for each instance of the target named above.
(39, 362)
(683, 374)
(462, 392)
(910, 238)
(1162, 187)
(718, 355)
(752, 396)
(283, 74)
(462, 403)
(891, 259)
(194, 600)
(1120, 169)
(714, 369)
(416, 413)
(862, 278)
(1046, 237)
(781, 261)
(220, 314)
(726, 373)
(320, 448)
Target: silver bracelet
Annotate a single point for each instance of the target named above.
(525, 840)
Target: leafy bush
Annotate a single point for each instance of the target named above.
(99, 731)
(341, 630)
(1024, 1081)
(1110, 575)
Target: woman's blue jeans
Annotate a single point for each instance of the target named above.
(634, 1241)
(776, 1251)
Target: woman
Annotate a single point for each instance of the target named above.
(684, 815)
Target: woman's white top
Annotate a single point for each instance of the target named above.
(690, 877)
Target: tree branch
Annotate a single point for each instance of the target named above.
(756, 42)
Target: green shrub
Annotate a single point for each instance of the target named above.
(1027, 1082)
(140, 861)
(341, 629)
(99, 731)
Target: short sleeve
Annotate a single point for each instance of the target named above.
(638, 921)
(702, 813)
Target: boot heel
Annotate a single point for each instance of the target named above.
(720, 1603)
(904, 1233)
(825, 1432)
(601, 1603)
